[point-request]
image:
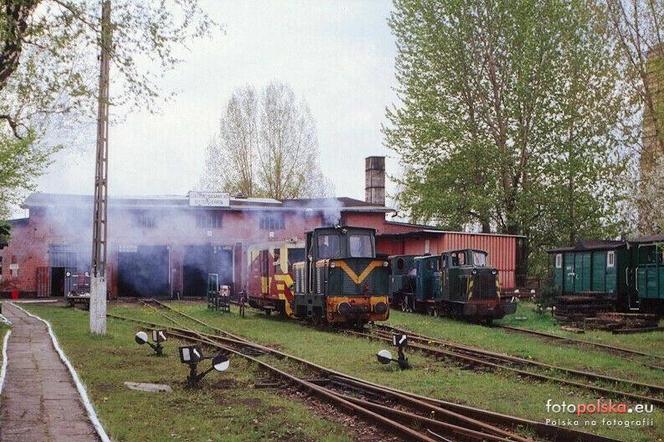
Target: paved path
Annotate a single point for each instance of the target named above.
(39, 400)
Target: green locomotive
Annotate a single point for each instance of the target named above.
(457, 283)
(341, 281)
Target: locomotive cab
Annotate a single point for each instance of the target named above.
(470, 286)
(341, 280)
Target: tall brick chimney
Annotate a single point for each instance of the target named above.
(374, 181)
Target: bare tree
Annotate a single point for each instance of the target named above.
(267, 147)
(231, 154)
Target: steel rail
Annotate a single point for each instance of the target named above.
(464, 411)
(475, 361)
(193, 335)
(610, 348)
(403, 416)
(426, 340)
(196, 320)
(212, 338)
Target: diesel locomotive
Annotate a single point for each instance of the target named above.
(456, 283)
(333, 278)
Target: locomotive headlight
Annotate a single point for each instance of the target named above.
(333, 264)
(474, 272)
(385, 263)
(494, 272)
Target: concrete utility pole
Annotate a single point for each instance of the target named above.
(98, 276)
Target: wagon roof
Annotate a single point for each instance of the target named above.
(590, 245)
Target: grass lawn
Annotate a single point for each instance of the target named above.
(3, 330)
(228, 409)
(539, 349)
(120, 359)
(651, 342)
(497, 391)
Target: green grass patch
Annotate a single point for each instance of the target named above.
(527, 317)
(228, 408)
(3, 331)
(498, 391)
(531, 347)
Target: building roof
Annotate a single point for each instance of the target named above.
(343, 204)
(425, 230)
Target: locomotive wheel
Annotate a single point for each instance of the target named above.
(404, 305)
(316, 320)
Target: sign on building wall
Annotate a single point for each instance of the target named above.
(209, 199)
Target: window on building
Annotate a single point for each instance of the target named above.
(610, 259)
(272, 222)
(147, 220)
(209, 220)
(559, 261)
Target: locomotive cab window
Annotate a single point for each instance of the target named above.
(294, 255)
(360, 246)
(479, 259)
(559, 260)
(329, 246)
(610, 259)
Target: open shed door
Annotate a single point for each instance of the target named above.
(43, 282)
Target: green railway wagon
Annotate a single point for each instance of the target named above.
(599, 269)
(647, 257)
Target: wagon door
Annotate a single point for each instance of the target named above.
(582, 272)
(569, 273)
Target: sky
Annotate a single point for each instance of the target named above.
(337, 55)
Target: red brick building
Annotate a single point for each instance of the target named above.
(162, 246)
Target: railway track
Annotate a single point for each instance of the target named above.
(536, 370)
(410, 416)
(582, 342)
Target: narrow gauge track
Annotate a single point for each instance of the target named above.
(582, 342)
(479, 357)
(410, 415)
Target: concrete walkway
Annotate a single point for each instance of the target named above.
(39, 400)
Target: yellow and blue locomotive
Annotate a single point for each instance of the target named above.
(341, 281)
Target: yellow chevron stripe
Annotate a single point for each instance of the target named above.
(353, 276)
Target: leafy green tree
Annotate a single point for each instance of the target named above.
(49, 69)
(508, 118)
(638, 32)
